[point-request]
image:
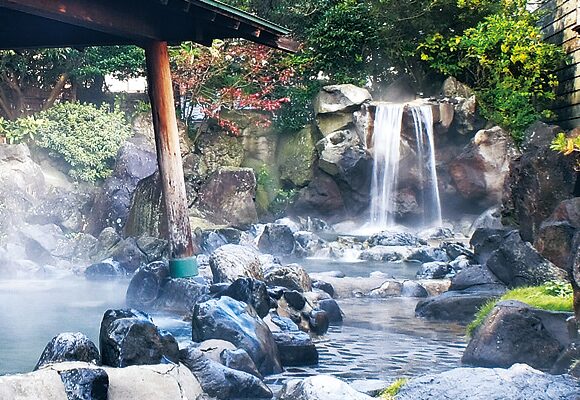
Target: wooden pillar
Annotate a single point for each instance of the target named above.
(168, 152)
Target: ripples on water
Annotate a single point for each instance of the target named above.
(380, 338)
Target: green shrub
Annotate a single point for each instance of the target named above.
(21, 130)
(507, 62)
(553, 296)
(85, 136)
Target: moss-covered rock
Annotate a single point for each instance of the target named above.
(296, 154)
(220, 150)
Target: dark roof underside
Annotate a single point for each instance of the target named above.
(78, 23)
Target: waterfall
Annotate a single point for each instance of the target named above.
(386, 154)
(386, 144)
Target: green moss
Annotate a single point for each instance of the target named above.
(552, 296)
(390, 392)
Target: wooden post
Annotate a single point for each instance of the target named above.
(168, 152)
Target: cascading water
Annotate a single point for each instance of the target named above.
(386, 153)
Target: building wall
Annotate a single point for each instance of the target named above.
(559, 23)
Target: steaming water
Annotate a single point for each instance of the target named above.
(386, 153)
(380, 338)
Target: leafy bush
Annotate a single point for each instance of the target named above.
(567, 146)
(553, 296)
(506, 61)
(85, 136)
(21, 130)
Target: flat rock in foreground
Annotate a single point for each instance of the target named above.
(520, 382)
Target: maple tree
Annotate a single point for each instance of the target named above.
(232, 75)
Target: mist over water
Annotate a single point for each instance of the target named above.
(33, 311)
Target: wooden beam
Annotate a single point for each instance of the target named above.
(168, 152)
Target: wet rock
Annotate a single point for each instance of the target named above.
(155, 249)
(228, 197)
(567, 362)
(62, 208)
(232, 261)
(69, 347)
(537, 182)
(429, 254)
(129, 337)
(276, 239)
(479, 172)
(387, 289)
(434, 270)
(513, 333)
(458, 306)
(518, 382)
(490, 219)
(219, 381)
(322, 197)
(517, 263)
(473, 276)
(384, 253)
(296, 348)
(319, 322)
(128, 254)
(180, 295)
(112, 203)
(388, 238)
(413, 289)
(455, 250)
(324, 286)
(291, 276)
(105, 270)
(240, 360)
(252, 292)
(319, 387)
(238, 323)
(485, 241)
(332, 309)
(145, 285)
(85, 383)
(211, 241)
(459, 264)
(436, 233)
(307, 243)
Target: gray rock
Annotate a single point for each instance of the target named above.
(180, 295)
(383, 253)
(222, 382)
(332, 309)
(69, 347)
(474, 275)
(105, 270)
(296, 348)
(277, 240)
(429, 254)
(240, 360)
(238, 323)
(388, 289)
(232, 261)
(520, 382)
(513, 333)
(341, 98)
(228, 197)
(291, 276)
(129, 337)
(434, 270)
(319, 387)
(458, 306)
(85, 383)
(252, 292)
(413, 289)
(389, 238)
(517, 263)
(145, 285)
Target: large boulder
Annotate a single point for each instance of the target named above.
(236, 322)
(520, 382)
(219, 150)
(322, 197)
(458, 306)
(513, 333)
(233, 261)
(319, 387)
(228, 197)
(277, 239)
(340, 98)
(69, 347)
(252, 292)
(145, 285)
(291, 276)
(555, 237)
(129, 337)
(517, 263)
(537, 182)
(391, 238)
(112, 203)
(221, 382)
(296, 157)
(159, 382)
(479, 172)
(343, 156)
(67, 209)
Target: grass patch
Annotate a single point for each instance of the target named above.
(390, 392)
(552, 296)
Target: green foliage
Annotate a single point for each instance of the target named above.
(506, 61)
(553, 296)
(22, 130)
(567, 146)
(394, 388)
(85, 136)
(283, 199)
